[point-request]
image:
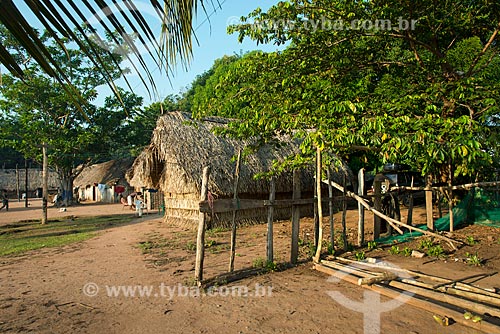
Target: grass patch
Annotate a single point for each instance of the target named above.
(25, 236)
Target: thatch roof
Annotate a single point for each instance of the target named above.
(181, 148)
(109, 172)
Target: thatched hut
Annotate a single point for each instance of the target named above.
(181, 148)
(102, 182)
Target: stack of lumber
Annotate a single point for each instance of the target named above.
(448, 299)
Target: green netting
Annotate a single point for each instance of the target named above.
(480, 206)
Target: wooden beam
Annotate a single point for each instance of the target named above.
(388, 276)
(229, 204)
(420, 288)
(315, 208)
(428, 203)
(344, 213)
(319, 236)
(361, 209)
(331, 219)
(442, 282)
(294, 253)
(200, 238)
(409, 219)
(426, 305)
(450, 196)
(45, 181)
(377, 205)
(270, 220)
(235, 211)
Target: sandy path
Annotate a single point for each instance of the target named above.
(42, 293)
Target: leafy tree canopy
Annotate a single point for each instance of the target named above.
(423, 91)
(40, 110)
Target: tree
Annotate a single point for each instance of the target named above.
(38, 109)
(426, 96)
(112, 125)
(205, 87)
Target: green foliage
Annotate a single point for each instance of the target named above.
(407, 252)
(394, 250)
(191, 246)
(427, 96)
(360, 256)
(474, 259)
(372, 245)
(210, 243)
(436, 251)
(264, 264)
(425, 244)
(470, 240)
(331, 248)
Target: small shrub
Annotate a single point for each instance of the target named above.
(210, 243)
(360, 256)
(259, 262)
(331, 248)
(407, 251)
(436, 251)
(470, 240)
(425, 244)
(191, 246)
(311, 249)
(372, 245)
(263, 263)
(474, 259)
(394, 250)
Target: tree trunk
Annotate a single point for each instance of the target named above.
(66, 179)
(45, 181)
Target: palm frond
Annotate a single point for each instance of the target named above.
(173, 44)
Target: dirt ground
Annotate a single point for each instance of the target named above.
(81, 288)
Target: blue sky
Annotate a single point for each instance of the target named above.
(213, 43)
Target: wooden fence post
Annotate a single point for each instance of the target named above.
(450, 200)
(200, 239)
(295, 217)
(315, 208)
(409, 219)
(344, 212)
(330, 208)
(45, 179)
(18, 182)
(428, 202)
(319, 236)
(361, 209)
(26, 183)
(377, 205)
(270, 219)
(235, 211)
